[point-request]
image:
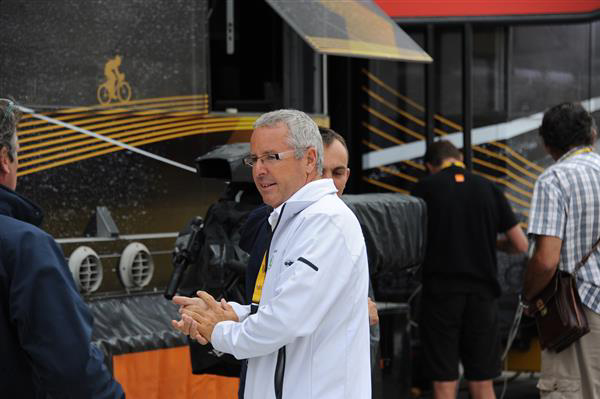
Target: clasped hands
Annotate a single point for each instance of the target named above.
(200, 315)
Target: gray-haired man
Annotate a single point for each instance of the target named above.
(306, 334)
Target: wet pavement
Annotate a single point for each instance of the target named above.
(522, 386)
(393, 386)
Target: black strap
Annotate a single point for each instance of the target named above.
(279, 372)
(586, 257)
(273, 232)
(280, 365)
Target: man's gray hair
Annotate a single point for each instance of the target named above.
(9, 118)
(303, 131)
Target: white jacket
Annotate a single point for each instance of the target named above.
(314, 302)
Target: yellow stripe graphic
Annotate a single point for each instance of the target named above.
(139, 122)
(74, 113)
(135, 144)
(385, 185)
(443, 120)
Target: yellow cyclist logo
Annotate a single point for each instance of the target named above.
(115, 88)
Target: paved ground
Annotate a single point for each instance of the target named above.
(518, 387)
(522, 387)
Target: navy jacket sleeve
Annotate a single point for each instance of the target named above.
(254, 239)
(53, 323)
(256, 223)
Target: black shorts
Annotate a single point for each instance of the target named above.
(460, 327)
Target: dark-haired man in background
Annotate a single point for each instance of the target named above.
(459, 311)
(336, 167)
(565, 221)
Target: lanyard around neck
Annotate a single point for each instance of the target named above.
(579, 151)
(262, 273)
(260, 281)
(448, 164)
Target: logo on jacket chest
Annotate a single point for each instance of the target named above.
(270, 263)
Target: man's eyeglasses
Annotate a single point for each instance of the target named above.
(252, 160)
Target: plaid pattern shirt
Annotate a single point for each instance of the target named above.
(566, 204)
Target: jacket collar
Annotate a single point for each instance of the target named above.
(19, 207)
(301, 199)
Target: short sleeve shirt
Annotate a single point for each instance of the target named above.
(566, 204)
(465, 213)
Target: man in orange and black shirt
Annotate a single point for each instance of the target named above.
(459, 320)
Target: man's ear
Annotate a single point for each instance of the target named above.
(347, 173)
(311, 158)
(4, 161)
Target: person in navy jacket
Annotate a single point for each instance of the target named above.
(45, 327)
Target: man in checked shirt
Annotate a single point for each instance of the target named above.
(565, 221)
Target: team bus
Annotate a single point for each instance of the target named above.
(121, 97)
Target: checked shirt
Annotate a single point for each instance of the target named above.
(566, 204)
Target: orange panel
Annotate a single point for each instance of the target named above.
(167, 373)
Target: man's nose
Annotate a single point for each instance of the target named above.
(259, 167)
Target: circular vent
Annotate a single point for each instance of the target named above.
(136, 266)
(86, 269)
